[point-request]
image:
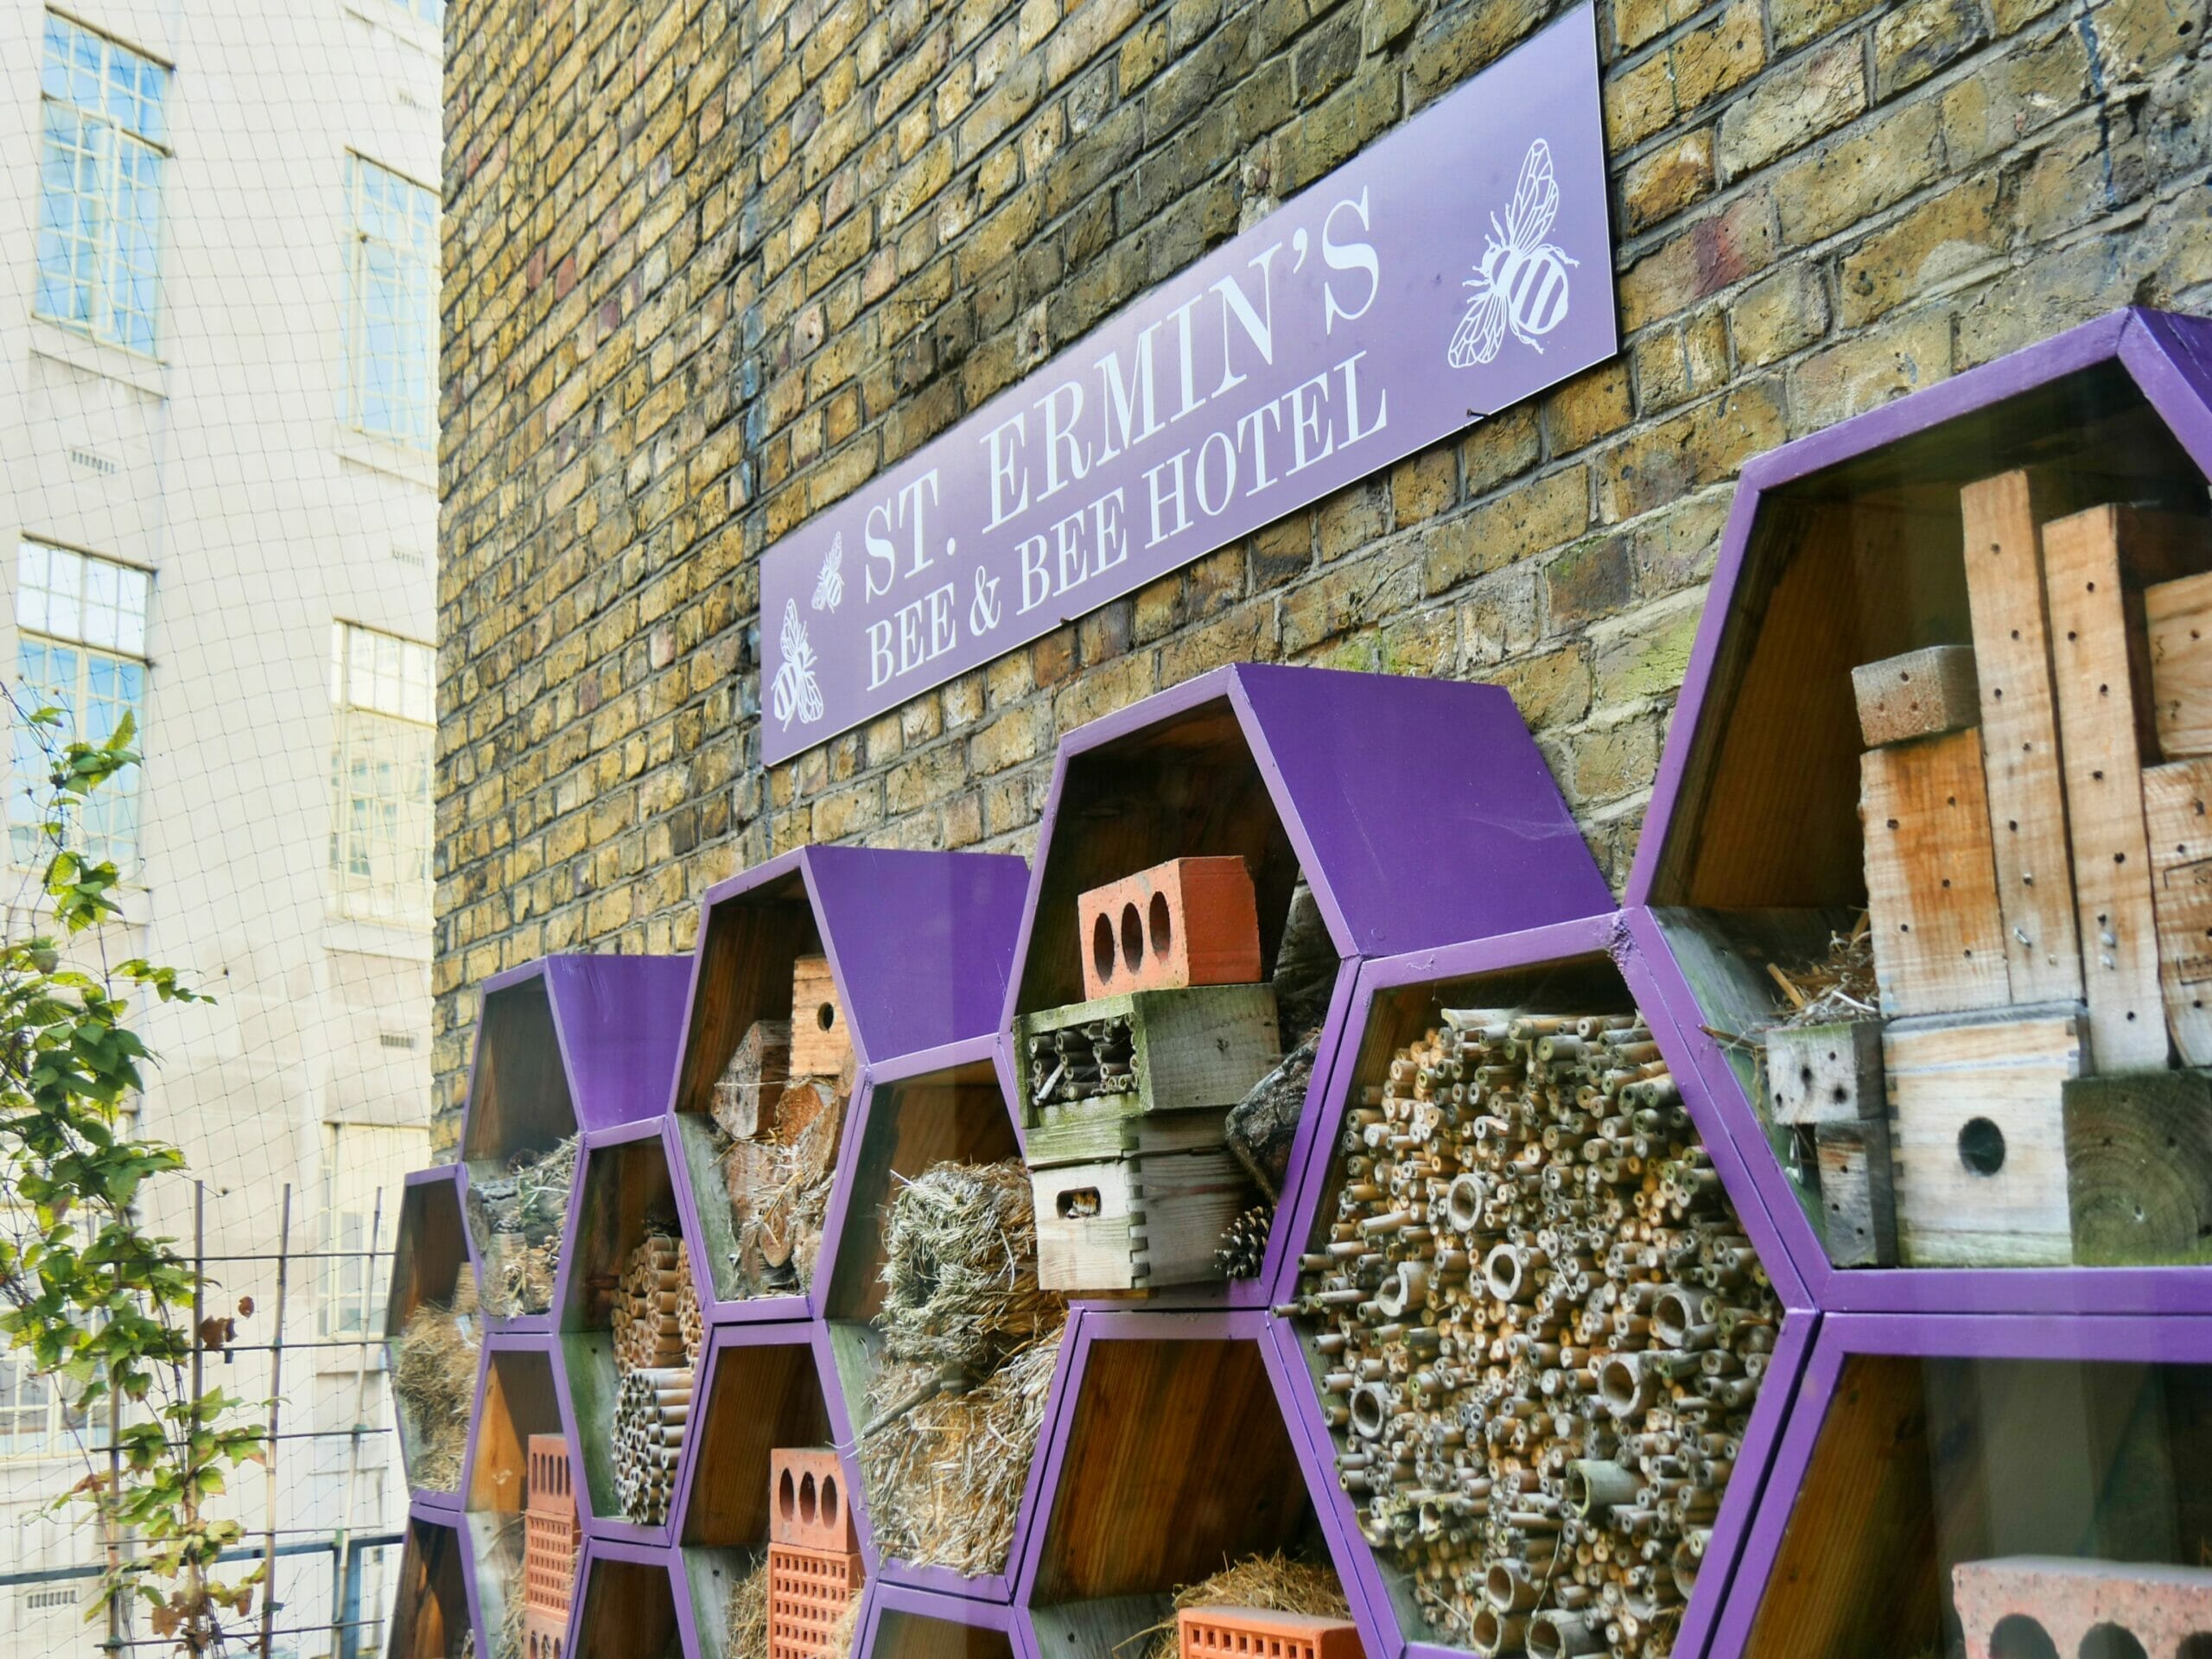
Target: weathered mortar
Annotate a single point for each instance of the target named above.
(707, 267)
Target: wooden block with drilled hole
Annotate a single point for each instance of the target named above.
(1858, 1223)
(1135, 1224)
(2178, 822)
(1977, 1136)
(1189, 1051)
(1931, 885)
(2178, 618)
(2094, 565)
(1826, 1074)
(820, 1045)
(2019, 736)
(1923, 693)
(2138, 1168)
(1190, 921)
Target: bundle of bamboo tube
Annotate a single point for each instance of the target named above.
(647, 1316)
(1543, 1332)
(651, 1409)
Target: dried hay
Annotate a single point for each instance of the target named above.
(745, 1615)
(1273, 1583)
(960, 1268)
(433, 1380)
(945, 1476)
(517, 1219)
(509, 1545)
(780, 1189)
(969, 1343)
(838, 1643)
(1839, 987)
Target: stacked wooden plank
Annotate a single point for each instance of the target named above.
(1125, 1096)
(1543, 1330)
(2039, 925)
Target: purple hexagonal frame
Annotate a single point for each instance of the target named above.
(492, 1580)
(566, 1044)
(1336, 759)
(2161, 360)
(849, 1365)
(919, 944)
(631, 1641)
(583, 1357)
(728, 1345)
(431, 1248)
(2149, 1339)
(1085, 1363)
(888, 1603)
(1719, 1118)
(439, 1530)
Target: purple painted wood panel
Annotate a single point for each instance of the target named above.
(727, 1345)
(1489, 848)
(2168, 356)
(2182, 1340)
(889, 1597)
(621, 1020)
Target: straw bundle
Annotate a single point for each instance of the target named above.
(1837, 987)
(1272, 1584)
(433, 1380)
(960, 1268)
(745, 1615)
(944, 1478)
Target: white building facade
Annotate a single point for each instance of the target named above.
(218, 325)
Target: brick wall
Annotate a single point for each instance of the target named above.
(710, 265)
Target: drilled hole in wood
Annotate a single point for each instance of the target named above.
(1981, 1145)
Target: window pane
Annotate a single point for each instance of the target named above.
(99, 185)
(380, 777)
(392, 290)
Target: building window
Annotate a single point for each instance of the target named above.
(430, 11)
(380, 771)
(391, 299)
(80, 648)
(100, 185)
(37, 1421)
(364, 1173)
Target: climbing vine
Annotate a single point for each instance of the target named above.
(89, 1298)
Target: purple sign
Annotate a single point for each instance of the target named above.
(1454, 268)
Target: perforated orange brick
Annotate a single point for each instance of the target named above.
(808, 1592)
(806, 1500)
(1251, 1633)
(1190, 921)
(549, 1544)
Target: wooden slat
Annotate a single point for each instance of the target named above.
(1858, 1572)
(2178, 822)
(1858, 1199)
(2019, 729)
(2177, 619)
(1965, 1199)
(1931, 885)
(2090, 561)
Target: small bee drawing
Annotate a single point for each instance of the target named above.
(830, 586)
(1522, 281)
(795, 691)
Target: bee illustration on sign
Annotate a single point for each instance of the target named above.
(795, 691)
(1522, 282)
(830, 586)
